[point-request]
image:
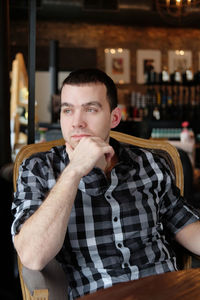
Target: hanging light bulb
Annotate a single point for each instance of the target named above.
(178, 3)
(177, 12)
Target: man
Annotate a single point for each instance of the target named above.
(100, 206)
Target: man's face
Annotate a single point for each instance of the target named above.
(85, 111)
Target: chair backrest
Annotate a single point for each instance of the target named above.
(27, 150)
(24, 153)
(162, 148)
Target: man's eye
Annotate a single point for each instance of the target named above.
(91, 109)
(67, 111)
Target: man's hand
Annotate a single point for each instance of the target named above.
(89, 153)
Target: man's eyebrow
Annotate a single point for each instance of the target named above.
(66, 104)
(93, 103)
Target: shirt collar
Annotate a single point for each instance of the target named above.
(96, 183)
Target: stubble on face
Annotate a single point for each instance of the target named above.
(86, 98)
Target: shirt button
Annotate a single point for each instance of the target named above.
(108, 197)
(119, 245)
(125, 265)
(115, 219)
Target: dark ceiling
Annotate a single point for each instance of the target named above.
(132, 12)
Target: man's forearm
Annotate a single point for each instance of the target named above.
(42, 235)
(189, 237)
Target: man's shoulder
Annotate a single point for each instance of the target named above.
(137, 153)
(137, 150)
(54, 155)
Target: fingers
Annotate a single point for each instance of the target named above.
(102, 147)
(88, 142)
(90, 152)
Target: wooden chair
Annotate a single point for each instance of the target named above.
(160, 147)
(34, 283)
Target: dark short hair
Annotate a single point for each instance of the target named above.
(84, 76)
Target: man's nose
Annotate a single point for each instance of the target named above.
(78, 120)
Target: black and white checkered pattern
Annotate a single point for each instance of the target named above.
(116, 229)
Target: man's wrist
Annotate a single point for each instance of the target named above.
(73, 173)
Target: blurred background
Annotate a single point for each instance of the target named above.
(151, 49)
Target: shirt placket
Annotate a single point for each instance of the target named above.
(117, 227)
(116, 222)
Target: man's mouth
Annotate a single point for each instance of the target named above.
(79, 136)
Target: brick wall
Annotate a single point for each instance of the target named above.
(100, 36)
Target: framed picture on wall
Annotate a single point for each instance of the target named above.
(179, 60)
(147, 60)
(117, 64)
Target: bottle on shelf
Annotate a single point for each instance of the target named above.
(171, 97)
(165, 75)
(157, 107)
(187, 135)
(189, 75)
(177, 76)
(133, 109)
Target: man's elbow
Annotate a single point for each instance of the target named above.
(28, 259)
(32, 264)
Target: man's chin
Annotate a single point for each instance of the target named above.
(75, 143)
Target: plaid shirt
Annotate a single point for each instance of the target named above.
(116, 228)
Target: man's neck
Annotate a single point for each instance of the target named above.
(111, 165)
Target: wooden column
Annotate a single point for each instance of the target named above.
(5, 153)
(31, 71)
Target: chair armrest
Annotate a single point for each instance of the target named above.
(52, 278)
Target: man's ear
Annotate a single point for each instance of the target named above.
(115, 117)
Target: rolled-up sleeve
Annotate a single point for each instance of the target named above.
(175, 212)
(32, 186)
